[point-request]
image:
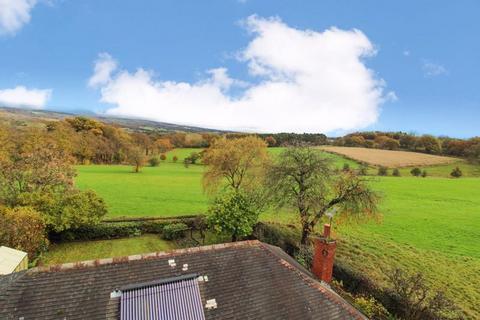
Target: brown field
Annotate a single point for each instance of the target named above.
(388, 158)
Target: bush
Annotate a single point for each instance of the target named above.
(163, 157)
(193, 158)
(382, 171)
(174, 231)
(233, 213)
(346, 167)
(424, 173)
(371, 307)
(304, 256)
(456, 173)
(154, 162)
(23, 228)
(396, 172)
(416, 172)
(363, 169)
(418, 299)
(175, 159)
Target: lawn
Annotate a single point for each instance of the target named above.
(90, 250)
(429, 224)
(167, 190)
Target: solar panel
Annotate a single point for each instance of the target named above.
(170, 299)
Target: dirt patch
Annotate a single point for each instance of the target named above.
(388, 158)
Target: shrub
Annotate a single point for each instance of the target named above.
(396, 172)
(154, 162)
(233, 213)
(346, 167)
(193, 158)
(371, 307)
(163, 157)
(23, 228)
(304, 256)
(174, 231)
(363, 169)
(382, 171)
(416, 172)
(424, 173)
(175, 159)
(456, 173)
(420, 301)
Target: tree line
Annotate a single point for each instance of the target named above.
(464, 148)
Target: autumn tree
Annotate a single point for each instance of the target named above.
(39, 175)
(429, 144)
(23, 228)
(302, 178)
(385, 142)
(236, 163)
(143, 141)
(136, 158)
(163, 145)
(69, 210)
(34, 169)
(354, 141)
(271, 142)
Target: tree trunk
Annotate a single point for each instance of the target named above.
(234, 237)
(305, 234)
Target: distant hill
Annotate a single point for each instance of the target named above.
(28, 116)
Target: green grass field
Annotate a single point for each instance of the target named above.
(90, 250)
(429, 224)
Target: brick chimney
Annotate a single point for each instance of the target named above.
(324, 253)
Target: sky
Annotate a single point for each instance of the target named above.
(250, 65)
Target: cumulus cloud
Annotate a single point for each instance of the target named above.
(23, 97)
(431, 69)
(104, 66)
(300, 81)
(14, 14)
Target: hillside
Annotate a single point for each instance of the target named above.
(24, 117)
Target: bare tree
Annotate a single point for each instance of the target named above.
(303, 179)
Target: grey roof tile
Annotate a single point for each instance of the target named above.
(249, 280)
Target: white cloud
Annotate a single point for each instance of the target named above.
(104, 66)
(23, 97)
(431, 69)
(14, 14)
(301, 81)
(406, 53)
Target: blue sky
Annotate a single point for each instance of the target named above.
(412, 65)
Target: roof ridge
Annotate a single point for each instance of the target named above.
(144, 256)
(321, 286)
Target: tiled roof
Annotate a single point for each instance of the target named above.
(248, 280)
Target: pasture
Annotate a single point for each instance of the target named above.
(388, 158)
(429, 224)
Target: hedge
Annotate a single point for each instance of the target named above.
(174, 231)
(135, 227)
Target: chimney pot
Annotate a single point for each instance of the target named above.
(326, 230)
